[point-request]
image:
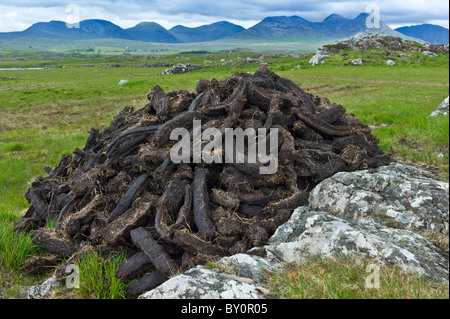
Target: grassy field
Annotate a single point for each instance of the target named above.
(46, 113)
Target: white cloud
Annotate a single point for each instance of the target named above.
(19, 18)
(443, 23)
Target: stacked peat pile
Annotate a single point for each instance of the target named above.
(123, 192)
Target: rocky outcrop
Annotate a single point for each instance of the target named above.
(182, 68)
(205, 283)
(430, 54)
(435, 48)
(380, 41)
(397, 215)
(357, 62)
(318, 58)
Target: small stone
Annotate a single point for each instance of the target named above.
(205, 283)
(182, 68)
(430, 54)
(357, 62)
(390, 63)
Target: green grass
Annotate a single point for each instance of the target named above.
(395, 101)
(347, 278)
(47, 113)
(15, 247)
(98, 277)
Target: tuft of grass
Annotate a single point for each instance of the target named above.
(14, 147)
(51, 222)
(98, 277)
(14, 285)
(346, 278)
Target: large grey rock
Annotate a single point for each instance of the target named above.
(357, 62)
(251, 266)
(390, 63)
(442, 109)
(201, 282)
(385, 39)
(397, 195)
(380, 41)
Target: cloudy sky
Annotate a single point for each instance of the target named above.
(17, 15)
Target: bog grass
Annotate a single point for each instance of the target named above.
(47, 113)
(352, 278)
(14, 247)
(98, 277)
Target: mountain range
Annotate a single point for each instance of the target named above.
(426, 32)
(280, 28)
(144, 31)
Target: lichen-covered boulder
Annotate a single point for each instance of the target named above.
(182, 68)
(318, 58)
(397, 195)
(430, 54)
(357, 62)
(390, 63)
(205, 283)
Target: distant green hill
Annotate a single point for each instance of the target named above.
(144, 31)
(150, 32)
